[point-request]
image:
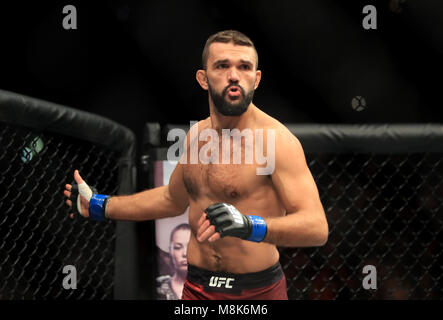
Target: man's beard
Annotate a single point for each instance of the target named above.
(227, 108)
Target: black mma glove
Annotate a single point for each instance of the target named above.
(228, 221)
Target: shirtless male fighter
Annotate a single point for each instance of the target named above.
(237, 216)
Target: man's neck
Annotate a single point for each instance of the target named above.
(219, 121)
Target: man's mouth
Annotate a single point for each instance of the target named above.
(234, 92)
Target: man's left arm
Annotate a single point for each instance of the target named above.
(305, 223)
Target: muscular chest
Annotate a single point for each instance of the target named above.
(225, 170)
(219, 181)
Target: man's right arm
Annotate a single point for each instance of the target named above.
(161, 202)
(157, 203)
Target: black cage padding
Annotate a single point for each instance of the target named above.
(50, 117)
(366, 138)
(41, 145)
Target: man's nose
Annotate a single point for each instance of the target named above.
(233, 75)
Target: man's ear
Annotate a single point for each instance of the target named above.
(202, 79)
(257, 78)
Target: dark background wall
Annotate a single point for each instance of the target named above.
(135, 61)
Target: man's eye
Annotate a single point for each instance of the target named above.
(222, 66)
(245, 67)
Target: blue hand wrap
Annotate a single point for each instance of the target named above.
(259, 229)
(96, 209)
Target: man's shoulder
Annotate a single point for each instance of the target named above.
(286, 142)
(202, 124)
(265, 121)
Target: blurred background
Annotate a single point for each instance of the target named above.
(135, 61)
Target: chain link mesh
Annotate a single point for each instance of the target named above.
(382, 210)
(37, 238)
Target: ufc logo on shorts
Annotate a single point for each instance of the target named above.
(219, 281)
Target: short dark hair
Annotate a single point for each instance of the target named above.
(227, 36)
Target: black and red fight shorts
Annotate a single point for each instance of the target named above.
(201, 284)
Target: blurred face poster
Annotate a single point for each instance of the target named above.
(172, 238)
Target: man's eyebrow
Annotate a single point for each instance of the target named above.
(246, 61)
(227, 60)
(220, 61)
